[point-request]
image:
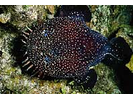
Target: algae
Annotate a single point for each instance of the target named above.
(130, 64)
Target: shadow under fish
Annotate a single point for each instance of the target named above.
(65, 47)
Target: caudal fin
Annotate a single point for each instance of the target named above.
(118, 50)
(81, 12)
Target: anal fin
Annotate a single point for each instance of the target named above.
(88, 80)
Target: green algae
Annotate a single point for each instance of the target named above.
(130, 64)
(106, 19)
(106, 80)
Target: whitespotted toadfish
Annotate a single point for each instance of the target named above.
(65, 47)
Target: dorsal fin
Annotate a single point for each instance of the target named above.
(81, 12)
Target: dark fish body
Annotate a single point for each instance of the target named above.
(65, 47)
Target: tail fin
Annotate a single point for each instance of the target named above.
(81, 12)
(119, 49)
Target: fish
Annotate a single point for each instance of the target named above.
(65, 47)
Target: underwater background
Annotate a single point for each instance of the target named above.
(109, 20)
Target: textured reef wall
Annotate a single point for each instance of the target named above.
(108, 20)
